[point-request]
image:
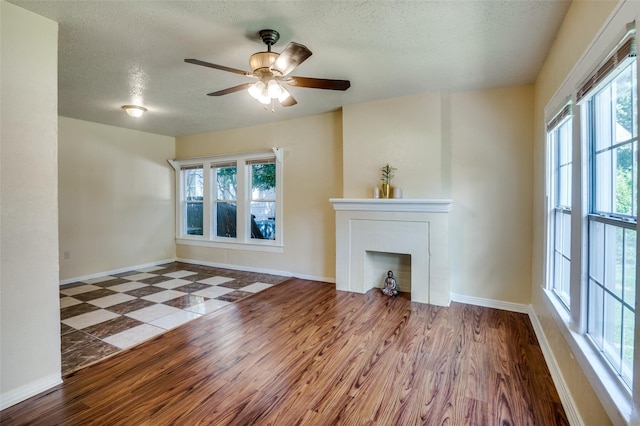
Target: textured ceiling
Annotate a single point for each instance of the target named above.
(113, 53)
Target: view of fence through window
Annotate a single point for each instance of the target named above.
(263, 199)
(261, 212)
(194, 197)
(226, 177)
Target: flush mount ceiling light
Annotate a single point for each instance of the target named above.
(134, 110)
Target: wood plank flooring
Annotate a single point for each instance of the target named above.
(303, 353)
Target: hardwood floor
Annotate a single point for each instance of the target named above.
(303, 353)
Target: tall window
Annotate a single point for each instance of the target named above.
(559, 135)
(611, 122)
(230, 200)
(263, 198)
(226, 190)
(591, 281)
(192, 200)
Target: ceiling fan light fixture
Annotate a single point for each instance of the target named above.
(274, 90)
(284, 94)
(265, 93)
(134, 111)
(256, 89)
(264, 98)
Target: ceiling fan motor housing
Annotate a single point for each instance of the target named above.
(260, 63)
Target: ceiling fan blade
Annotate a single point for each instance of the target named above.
(292, 56)
(230, 90)
(290, 101)
(318, 83)
(218, 67)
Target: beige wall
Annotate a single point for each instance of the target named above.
(404, 132)
(458, 146)
(117, 195)
(29, 298)
(582, 23)
(491, 171)
(312, 175)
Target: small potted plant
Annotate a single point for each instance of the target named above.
(387, 175)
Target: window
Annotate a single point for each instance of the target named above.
(230, 201)
(592, 193)
(611, 122)
(226, 190)
(193, 197)
(263, 198)
(559, 136)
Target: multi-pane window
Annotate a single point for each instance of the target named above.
(560, 145)
(230, 199)
(611, 123)
(192, 200)
(263, 198)
(592, 211)
(226, 195)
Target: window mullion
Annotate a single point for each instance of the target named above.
(279, 196)
(206, 202)
(579, 226)
(180, 204)
(242, 200)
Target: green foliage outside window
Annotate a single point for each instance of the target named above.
(264, 177)
(626, 115)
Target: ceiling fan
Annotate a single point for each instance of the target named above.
(272, 70)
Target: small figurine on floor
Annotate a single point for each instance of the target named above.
(390, 286)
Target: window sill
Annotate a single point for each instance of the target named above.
(612, 393)
(228, 245)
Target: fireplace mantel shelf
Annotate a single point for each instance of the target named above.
(393, 204)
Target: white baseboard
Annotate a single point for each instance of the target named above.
(568, 403)
(199, 262)
(115, 271)
(314, 278)
(257, 270)
(235, 267)
(23, 392)
(489, 303)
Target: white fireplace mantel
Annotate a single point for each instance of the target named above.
(415, 227)
(393, 204)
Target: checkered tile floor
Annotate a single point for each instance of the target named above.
(105, 315)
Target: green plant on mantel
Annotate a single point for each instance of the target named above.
(387, 174)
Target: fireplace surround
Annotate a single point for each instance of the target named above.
(418, 228)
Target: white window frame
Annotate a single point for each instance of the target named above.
(183, 204)
(557, 208)
(621, 404)
(243, 240)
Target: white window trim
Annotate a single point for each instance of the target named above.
(551, 187)
(609, 389)
(243, 240)
(621, 406)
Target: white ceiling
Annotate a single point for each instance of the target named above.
(113, 53)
